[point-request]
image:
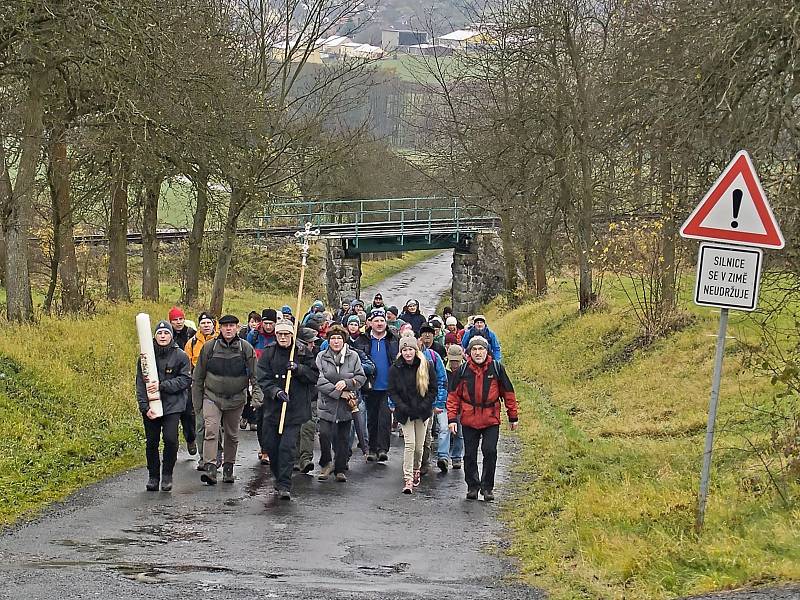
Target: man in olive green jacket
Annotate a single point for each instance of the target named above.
(225, 369)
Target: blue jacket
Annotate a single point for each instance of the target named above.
(494, 344)
(441, 378)
(383, 353)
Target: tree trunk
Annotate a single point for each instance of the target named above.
(191, 291)
(117, 283)
(238, 200)
(541, 272)
(509, 252)
(669, 234)
(150, 287)
(64, 257)
(17, 202)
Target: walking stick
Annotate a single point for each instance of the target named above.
(304, 237)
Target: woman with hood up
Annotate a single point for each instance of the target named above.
(412, 316)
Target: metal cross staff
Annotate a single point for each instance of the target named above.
(305, 239)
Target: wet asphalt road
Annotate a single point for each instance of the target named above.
(360, 539)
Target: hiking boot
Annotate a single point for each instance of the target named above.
(243, 424)
(201, 466)
(382, 457)
(325, 472)
(152, 484)
(488, 495)
(372, 457)
(307, 468)
(210, 474)
(341, 477)
(442, 464)
(191, 447)
(417, 477)
(263, 457)
(227, 473)
(166, 483)
(408, 486)
(456, 463)
(472, 494)
(284, 494)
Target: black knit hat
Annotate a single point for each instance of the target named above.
(205, 315)
(269, 314)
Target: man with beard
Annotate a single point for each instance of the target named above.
(273, 368)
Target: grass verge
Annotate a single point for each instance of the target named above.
(374, 271)
(612, 447)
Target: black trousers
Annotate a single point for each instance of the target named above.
(336, 435)
(154, 430)
(259, 415)
(282, 450)
(487, 438)
(188, 423)
(379, 420)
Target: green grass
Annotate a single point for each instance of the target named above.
(611, 451)
(377, 270)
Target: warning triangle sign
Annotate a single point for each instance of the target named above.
(735, 210)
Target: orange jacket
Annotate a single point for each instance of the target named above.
(195, 344)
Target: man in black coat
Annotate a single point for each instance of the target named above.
(272, 370)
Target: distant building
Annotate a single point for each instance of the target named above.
(427, 50)
(339, 46)
(391, 39)
(461, 39)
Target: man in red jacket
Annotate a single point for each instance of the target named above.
(475, 394)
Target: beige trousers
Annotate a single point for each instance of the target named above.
(414, 431)
(213, 417)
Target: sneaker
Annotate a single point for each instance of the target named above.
(296, 468)
(372, 457)
(472, 494)
(408, 486)
(227, 473)
(284, 494)
(456, 463)
(166, 483)
(152, 484)
(488, 495)
(442, 464)
(382, 457)
(243, 424)
(341, 477)
(191, 447)
(307, 468)
(263, 457)
(417, 477)
(210, 474)
(325, 472)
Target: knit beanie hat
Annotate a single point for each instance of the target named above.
(353, 319)
(176, 313)
(407, 331)
(451, 321)
(377, 312)
(408, 341)
(393, 310)
(269, 314)
(315, 321)
(477, 341)
(286, 309)
(205, 315)
(284, 326)
(164, 325)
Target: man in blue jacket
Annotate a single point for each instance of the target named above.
(480, 328)
(383, 351)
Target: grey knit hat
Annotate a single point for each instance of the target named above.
(477, 341)
(408, 342)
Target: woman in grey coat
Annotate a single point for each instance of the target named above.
(340, 377)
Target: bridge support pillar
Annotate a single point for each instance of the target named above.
(477, 274)
(341, 273)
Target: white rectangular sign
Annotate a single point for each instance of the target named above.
(728, 276)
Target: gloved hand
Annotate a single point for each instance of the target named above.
(292, 366)
(282, 396)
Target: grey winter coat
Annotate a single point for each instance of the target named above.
(223, 373)
(330, 405)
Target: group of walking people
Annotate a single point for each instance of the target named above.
(432, 378)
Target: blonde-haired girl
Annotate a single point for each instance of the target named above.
(413, 395)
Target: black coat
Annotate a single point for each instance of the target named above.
(183, 336)
(408, 404)
(271, 374)
(174, 378)
(416, 320)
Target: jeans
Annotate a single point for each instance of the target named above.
(334, 435)
(457, 443)
(281, 449)
(154, 429)
(379, 421)
(487, 438)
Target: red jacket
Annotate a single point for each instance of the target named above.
(475, 394)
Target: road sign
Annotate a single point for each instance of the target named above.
(735, 210)
(728, 276)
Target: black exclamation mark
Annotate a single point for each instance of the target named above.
(737, 204)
